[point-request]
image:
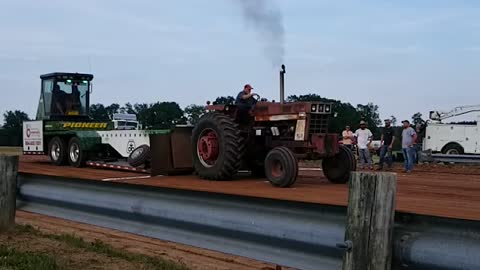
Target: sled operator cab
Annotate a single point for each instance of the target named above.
(64, 96)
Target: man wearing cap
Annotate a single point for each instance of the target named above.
(387, 139)
(409, 136)
(245, 97)
(347, 136)
(364, 139)
(245, 102)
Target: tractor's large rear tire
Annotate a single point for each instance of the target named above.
(77, 156)
(57, 151)
(281, 167)
(217, 147)
(337, 169)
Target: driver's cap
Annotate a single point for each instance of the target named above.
(247, 86)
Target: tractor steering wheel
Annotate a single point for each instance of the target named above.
(257, 97)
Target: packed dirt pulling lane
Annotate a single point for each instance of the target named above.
(444, 191)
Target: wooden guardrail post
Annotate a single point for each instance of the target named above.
(8, 189)
(370, 221)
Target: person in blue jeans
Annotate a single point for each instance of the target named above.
(387, 139)
(409, 136)
(364, 140)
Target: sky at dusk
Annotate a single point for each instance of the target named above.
(405, 56)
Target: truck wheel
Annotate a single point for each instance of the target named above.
(337, 169)
(76, 155)
(217, 147)
(57, 151)
(452, 149)
(281, 167)
(139, 156)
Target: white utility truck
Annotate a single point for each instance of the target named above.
(451, 138)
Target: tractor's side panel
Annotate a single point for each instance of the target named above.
(33, 143)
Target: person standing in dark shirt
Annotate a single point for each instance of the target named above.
(388, 137)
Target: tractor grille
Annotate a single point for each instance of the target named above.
(318, 123)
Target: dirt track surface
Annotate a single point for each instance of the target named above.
(445, 191)
(193, 258)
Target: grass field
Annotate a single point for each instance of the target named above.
(28, 248)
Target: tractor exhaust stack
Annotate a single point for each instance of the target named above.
(282, 84)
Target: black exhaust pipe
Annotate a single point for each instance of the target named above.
(282, 84)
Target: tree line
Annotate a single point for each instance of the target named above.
(164, 115)
(167, 114)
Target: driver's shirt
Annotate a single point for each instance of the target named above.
(240, 100)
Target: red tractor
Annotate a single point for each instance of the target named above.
(269, 140)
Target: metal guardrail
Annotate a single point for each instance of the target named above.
(428, 156)
(456, 158)
(299, 235)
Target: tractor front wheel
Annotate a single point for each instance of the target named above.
(217, 147)
(281, 167)
(76, 155)
(337, 169)
(57, 151)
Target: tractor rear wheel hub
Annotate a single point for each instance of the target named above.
(208, 147)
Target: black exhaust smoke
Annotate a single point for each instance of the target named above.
(267, 20)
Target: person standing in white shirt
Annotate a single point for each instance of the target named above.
(364, 139)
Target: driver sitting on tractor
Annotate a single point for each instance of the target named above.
(245, 99)
(245, 102)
